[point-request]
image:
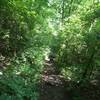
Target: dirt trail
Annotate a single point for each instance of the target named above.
(52, 84)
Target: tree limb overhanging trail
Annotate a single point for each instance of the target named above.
(52, 86)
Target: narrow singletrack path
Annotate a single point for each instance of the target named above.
(52, 85)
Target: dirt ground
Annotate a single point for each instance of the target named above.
(52, 84)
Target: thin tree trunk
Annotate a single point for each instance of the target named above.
(84, 76)
(70, 8)
(63, 6)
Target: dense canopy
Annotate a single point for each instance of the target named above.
(35, 33)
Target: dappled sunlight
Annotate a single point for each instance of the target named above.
(49, 49)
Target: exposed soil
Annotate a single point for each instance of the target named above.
(52, 84)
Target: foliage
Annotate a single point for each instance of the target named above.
(78, 50)
(31, 30)
(23, 42)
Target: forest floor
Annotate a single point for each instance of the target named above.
(54, 87)
(52, 84)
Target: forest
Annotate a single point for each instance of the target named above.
(49, 49)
